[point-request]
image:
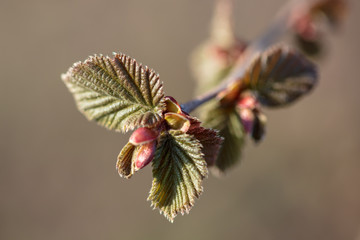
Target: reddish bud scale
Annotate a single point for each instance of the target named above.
(306, 28)
(143, 135)
(177, 121)
(252, 119)
(247, 119)
(144, 155)
(248, 102)
(172, 105)
(174, 117)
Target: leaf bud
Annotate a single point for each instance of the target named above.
(248, 102)
(143, 135)
(144, 155)
(252, 119)
(305, 27)
(177, 121)
(247, 119)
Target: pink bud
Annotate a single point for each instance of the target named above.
(247, 119)
(252, 119)
(143, 135)
(145, 154)
(248, 102)
(306, 28)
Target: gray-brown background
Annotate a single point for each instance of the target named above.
(57, 170)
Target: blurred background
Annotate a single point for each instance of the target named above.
(57, 170)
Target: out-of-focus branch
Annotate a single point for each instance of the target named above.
(281, 24)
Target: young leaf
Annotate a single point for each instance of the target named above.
(178, 170)
(177, 121)
(116, 92)
(230, 152)
(280, 76)
(210, 140)
(133, 158)
(228, 122)
(125, 163)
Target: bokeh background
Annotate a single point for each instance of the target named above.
(57, 170)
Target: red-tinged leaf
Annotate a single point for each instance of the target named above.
(279, 76)
(210, 141)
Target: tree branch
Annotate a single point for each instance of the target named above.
(281, 24)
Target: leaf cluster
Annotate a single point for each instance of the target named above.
(123, 95)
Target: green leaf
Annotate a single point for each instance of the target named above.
(118, 93)
(228, 122)
(230, 152)
(178, 170)
(280, 76)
